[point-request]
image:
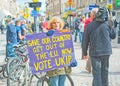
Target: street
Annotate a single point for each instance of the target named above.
(79, 75)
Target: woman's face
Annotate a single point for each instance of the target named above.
(56, 25)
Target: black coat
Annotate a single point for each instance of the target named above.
(98, 37)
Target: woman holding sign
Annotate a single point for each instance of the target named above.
(57, 76)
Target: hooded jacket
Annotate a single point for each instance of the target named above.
(98, 37)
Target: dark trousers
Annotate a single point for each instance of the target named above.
(100, 66)
(1, 30)
(77, 32)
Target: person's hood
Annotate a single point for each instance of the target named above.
(101, 15)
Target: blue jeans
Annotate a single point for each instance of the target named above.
(10, 50)
(58, 80)
(100, 65)
(81, 37)
(77, 32)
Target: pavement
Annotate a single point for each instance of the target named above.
(82, 78)
(79, 75)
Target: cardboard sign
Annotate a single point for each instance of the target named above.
(49, 52)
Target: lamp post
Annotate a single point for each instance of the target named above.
(35, 18)
(70, 8)
(36, 6)
(70, 12)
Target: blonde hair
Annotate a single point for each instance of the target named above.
(55, 19)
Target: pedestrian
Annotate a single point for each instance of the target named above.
(66, 26)
(2, 28)
(23, 28)
(45, 24)
(97, 36)
(91, 17)
(81, 27)
(33, 27)
(89, 20)
(57, 76)
(115, 23)
(20, 37)
(11, 38)
(77, 30)
(40, 27)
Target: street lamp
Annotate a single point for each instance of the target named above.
(36, 5)
(70, 8)
(70, 12)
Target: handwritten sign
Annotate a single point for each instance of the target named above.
(49, 52)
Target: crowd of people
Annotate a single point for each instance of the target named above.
(16, 32)
(95, 34)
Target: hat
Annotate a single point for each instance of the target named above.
(102, 14)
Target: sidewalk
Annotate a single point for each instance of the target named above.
(82, 78)
(2, 47)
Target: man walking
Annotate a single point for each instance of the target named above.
(97, 36)
(89, 20)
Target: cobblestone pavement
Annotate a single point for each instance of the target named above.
(79, 75)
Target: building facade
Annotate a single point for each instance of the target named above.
(8, 7)
(57, 7)
(53, 7)
(13, 7)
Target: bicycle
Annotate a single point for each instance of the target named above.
(45, 81)
(18, 67)
(3, 70)
(17, 63)
(19, 71)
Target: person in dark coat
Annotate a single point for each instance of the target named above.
(2, 28)
(11, 38)
(97, 37)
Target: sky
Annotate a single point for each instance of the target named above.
(23, 1)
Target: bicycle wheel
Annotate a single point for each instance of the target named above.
(26, 76)
(12, 63)
(17, 73)
(39, 75)
(44, 81)
(5, 71)
(69, 81)
(11, 83)
(33, 80)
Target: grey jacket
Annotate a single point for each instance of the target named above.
(98, 37)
